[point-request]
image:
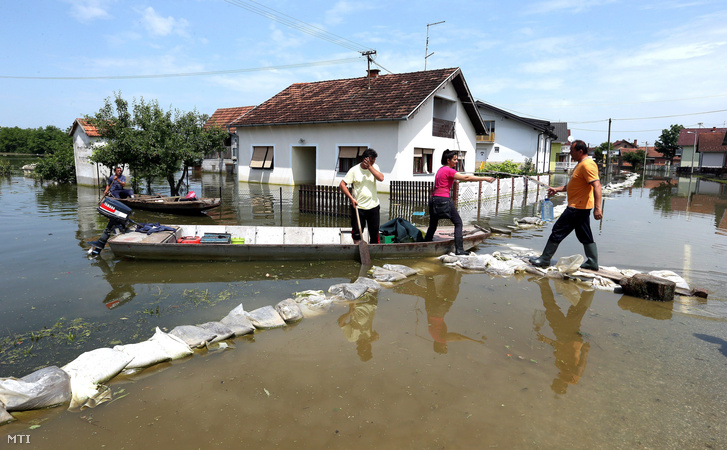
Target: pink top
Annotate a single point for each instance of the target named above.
(443, 181)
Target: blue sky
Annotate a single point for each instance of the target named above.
(583, 62)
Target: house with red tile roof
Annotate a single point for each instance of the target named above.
(314, 132)
(712, 151)
(227, 160)
(688, 140)
(85, 138)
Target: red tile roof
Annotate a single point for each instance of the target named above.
(89, 129)
(389, 97)
(225, 116)
(711, 143)
(687, 139)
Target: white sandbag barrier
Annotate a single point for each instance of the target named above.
(513, 261)
(80, 382)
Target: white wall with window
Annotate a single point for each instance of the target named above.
(262, 157)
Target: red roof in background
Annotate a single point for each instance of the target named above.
(389, 97)
(687, 139)
(225, 116)
(711, 143)
(87, 127)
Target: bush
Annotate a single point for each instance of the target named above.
(5, 168)
(505, 167)
(59, 167)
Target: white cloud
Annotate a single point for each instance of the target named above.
(163, 26)
(89, 10)
(575, 6)
(342, 9)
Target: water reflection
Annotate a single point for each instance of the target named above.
(569, 348)
(122, 291)
(647, 308)
(439, 293)
(357, 325)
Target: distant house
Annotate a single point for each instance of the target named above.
(560, 160)
(314, 132)
(222, 118)
(85, 137)
(514, 138)
(713, 151)
(688, 141)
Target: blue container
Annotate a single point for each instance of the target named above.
(546, 210)
(215, 238)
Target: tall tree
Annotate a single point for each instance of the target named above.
(636, 158)
(667, 142)
(153, 142)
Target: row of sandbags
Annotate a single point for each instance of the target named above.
(513, 261)
(79, 382)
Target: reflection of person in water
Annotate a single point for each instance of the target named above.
(357, 325)
(440, 296)
(569, 349)
(120, 292)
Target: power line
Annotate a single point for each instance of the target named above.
(550, 105)
(299, 25)
(191, 74)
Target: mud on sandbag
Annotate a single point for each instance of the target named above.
(237, 321)
(381, 274)
(266, 317)
(370, 283)
(289, 310)
(192, 335)
(90, 369)
(402, 269)
(348, 291)
(221, 330)
(49, 386)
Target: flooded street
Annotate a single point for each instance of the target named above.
(446, 359)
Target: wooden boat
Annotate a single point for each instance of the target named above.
(174, 205)
(263, 243)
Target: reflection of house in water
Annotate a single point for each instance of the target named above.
(705, 197)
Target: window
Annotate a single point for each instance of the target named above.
(423, 160)
(460, 161)
(262, 158)
(497, 149)
(349, 157)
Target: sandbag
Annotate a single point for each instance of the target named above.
(173, 346)
(144, 354)
(266, 317)
(91, 368)
(289, 310)
(5, 416)
(671, 276)
(46, 387)
(371, 284)
(237, 321)
(220, 329)
(193, 336)
(402, 269)
(348, 291)
(381, 274)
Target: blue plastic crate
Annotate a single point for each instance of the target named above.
(215, 238)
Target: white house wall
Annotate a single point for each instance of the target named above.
(516, 141)
(394, 141)
(87, 173)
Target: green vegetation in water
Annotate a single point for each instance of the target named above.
(5, 167)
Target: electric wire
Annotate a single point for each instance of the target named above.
(191, 74)
(296, 24)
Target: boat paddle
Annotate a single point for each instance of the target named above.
(363, 248)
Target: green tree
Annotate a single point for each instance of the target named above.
(60, 166)
(636, 158)
(600, 152)
(667, 142)
(153, 142)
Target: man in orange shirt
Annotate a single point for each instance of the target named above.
(584, 194)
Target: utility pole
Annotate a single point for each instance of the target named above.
(608, 152)
(369, 57)
(426, 48)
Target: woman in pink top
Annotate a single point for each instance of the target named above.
(441, 205)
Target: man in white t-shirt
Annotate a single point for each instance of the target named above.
(365, 197)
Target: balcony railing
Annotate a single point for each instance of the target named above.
(443, 128)
(486, 137)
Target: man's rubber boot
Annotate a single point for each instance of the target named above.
(591, 256)
(459, 246)
(544, 259)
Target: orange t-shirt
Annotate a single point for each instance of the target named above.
(580, 191)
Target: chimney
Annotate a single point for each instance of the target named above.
(635, 145)
(373, 73)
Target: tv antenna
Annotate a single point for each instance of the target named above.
(426, 48)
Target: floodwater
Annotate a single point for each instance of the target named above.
(448, 359)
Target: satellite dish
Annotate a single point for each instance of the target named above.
(570, 139)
